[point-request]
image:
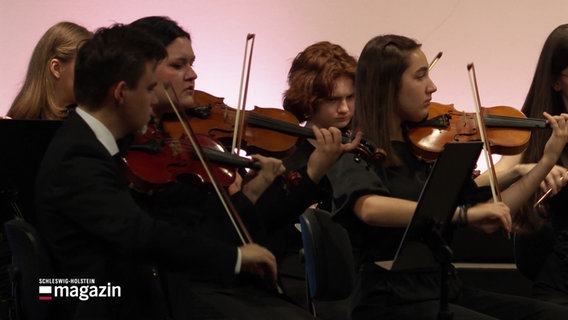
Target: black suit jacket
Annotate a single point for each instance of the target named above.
(95, 230)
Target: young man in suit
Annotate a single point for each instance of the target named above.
(94, 230)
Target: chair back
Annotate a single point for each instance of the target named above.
(330, 270)
(30, 262)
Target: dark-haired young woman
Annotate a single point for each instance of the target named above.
(376, 203)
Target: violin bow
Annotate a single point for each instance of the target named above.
(232, 213)
(235, 219)
(483, 133)
(435, 60)
(239, 116)
(495, 190)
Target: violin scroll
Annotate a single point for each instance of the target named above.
(367, 150)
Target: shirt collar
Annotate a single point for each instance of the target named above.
(102, 133)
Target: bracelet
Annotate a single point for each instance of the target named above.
(462, 216)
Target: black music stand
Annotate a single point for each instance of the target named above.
(23, 143)
(423, 244)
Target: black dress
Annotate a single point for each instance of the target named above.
(410, 295)
(551, 282)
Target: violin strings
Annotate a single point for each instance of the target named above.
(283, 126)
(185, 145)
(517, 122)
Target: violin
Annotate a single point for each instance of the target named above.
(268, 131)
(155, 161)
(212, 117)
(508, 129)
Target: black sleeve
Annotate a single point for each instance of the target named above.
(350, 180)
(287, 198)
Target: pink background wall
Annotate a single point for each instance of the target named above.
(503, 38)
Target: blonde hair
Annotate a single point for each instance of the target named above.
(36, 99)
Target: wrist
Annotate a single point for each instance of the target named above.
(523, 168)
(252, 192)
(239, 262)
(314, 175)
(518, 170)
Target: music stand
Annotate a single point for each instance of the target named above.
(422, 245)
(23, 143)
